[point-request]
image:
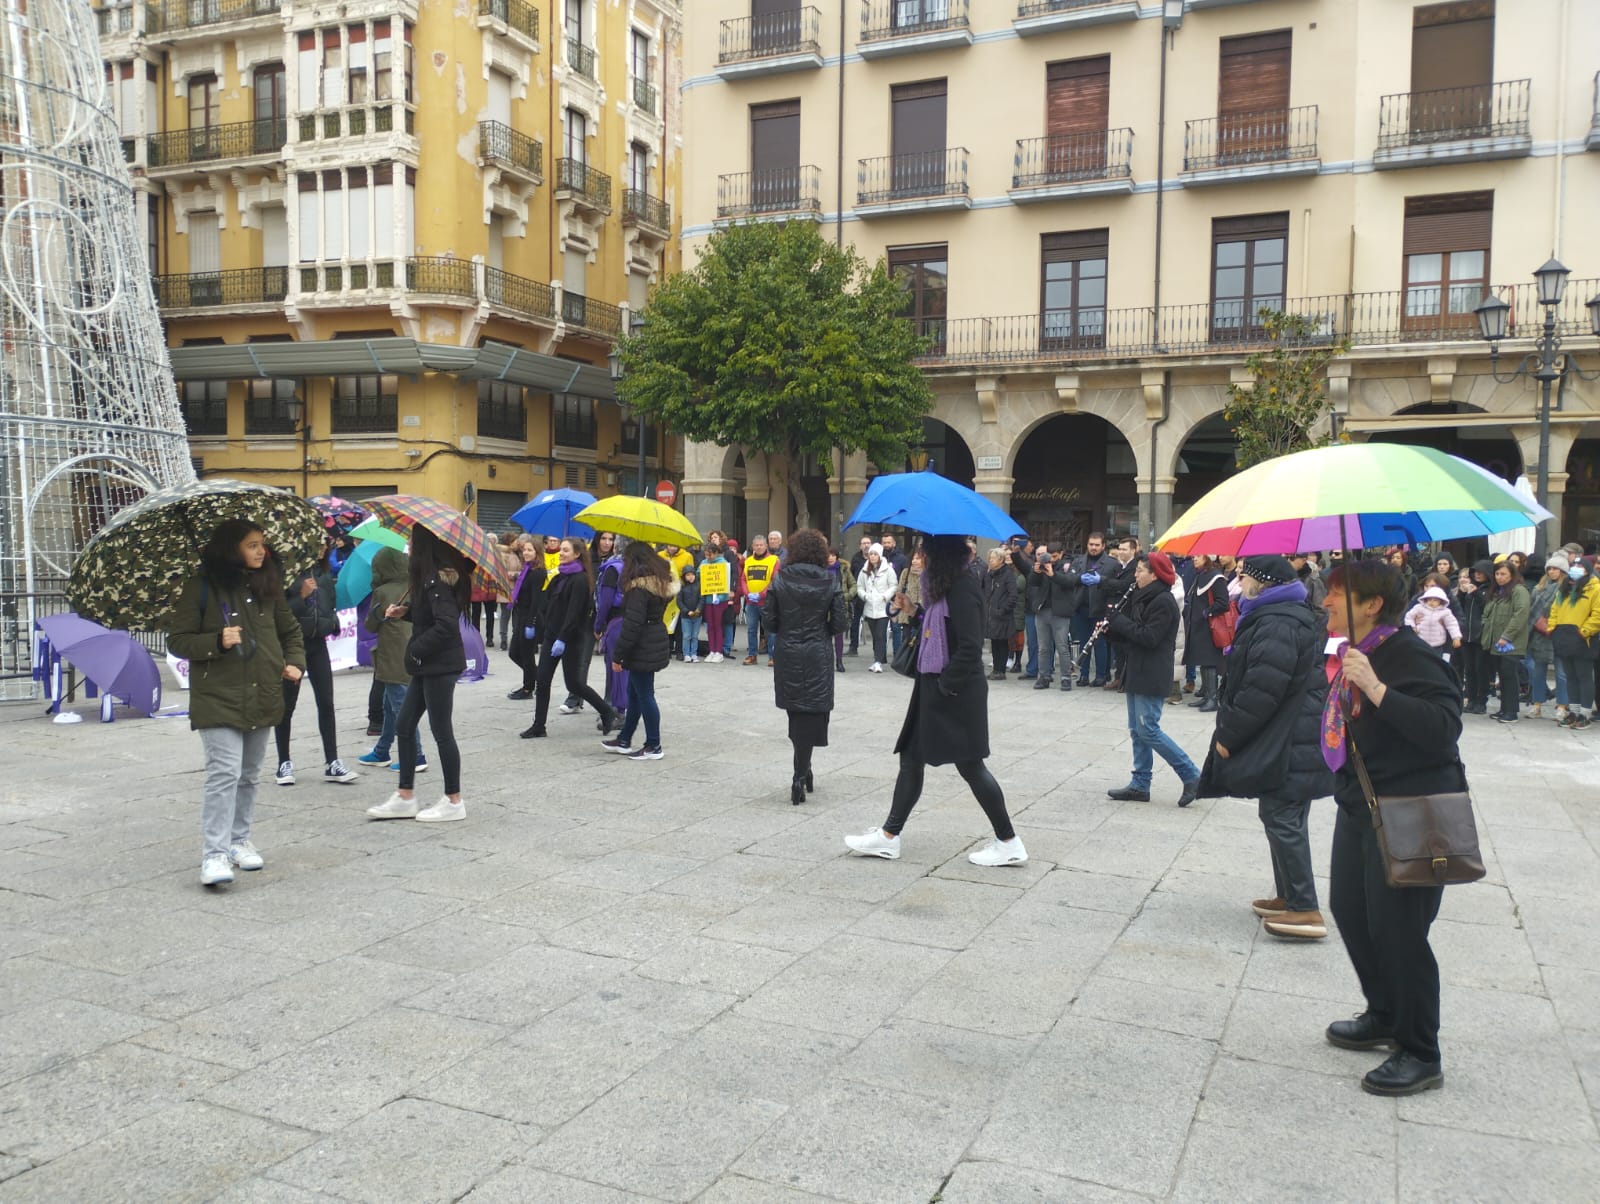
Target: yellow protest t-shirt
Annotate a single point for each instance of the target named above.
(758, 573)
(680, 562)
(552, 562)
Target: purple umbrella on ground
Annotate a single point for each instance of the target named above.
(112, 660)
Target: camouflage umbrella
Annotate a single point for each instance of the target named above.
(130, 573)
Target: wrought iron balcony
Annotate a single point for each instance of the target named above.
(644, 95)
(514, 15)
(1484, 113)
(592, 315)
(583, 184)
(530, 298)
(208, 144)
(794, 34)
(895, 26)
(1277, 138)
(580, 58)
(357, 121)
(443, 275)
(793, 191)
(202, 290)
(1073, 159)
(925, 179)
(1048, 16)
(178, 16)
(639, 208)
(505, 147)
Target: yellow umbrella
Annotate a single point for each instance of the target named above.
(640, 518)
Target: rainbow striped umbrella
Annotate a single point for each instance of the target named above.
(402, 511)
(1355, 495)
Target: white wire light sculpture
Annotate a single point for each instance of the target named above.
(89, 416)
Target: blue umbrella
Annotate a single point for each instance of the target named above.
(112, 660)
(550, 513)
(934, 505)
(355, 578)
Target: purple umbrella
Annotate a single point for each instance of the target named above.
(112, 660)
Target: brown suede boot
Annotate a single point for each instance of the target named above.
(1299, 925)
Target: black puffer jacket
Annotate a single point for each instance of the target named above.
(645, 645)
(1269, 716)
(1471, 606)
(805, 609)
(435, 649)
(1147, 629)
(999, 602)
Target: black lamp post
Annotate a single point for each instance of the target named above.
(614, 359)
(1544, 363)
(296, 409)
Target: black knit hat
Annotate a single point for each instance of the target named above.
(1269, 570)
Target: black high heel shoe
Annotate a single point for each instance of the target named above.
(810, 785)
(797, 791)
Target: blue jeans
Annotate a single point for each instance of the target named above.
(1538, 680)
(690, 630)
(756, 644)
(642, 702)
(1030, 633)
(1144, 725)
(897, 635)
(394, 694)
(1082, 629)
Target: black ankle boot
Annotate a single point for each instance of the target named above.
(797, 791)
(810, 784)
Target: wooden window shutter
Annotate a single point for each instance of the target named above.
(1452, 46)
(308, 39)
(1253, 75)
(1459, 221)
(1255, 225)
(1075, 244)
(1077, 96)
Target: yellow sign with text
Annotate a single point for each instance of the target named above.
(713, 579)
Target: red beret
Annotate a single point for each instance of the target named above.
(1161, 566)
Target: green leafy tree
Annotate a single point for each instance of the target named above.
(1276, 414)
(782, 343)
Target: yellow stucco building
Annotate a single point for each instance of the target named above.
(393, 241)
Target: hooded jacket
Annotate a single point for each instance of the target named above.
(1437, 626)
(1269, 712)
(241, 687)
(1472, 605)
(805, 610)
(1576, 604)
(645, 644)
(390, 580)
(999, 602)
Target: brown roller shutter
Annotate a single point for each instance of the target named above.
(775, 155)
(918, 138)
(1461, 221)
(1077, 108)
(1253, 96)
(1452, 46)
(1075, 244)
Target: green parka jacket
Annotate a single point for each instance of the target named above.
(391, 570)
(241, 688)
(1506, 616)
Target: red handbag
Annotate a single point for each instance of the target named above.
(1223, 625)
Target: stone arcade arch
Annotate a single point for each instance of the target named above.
(1207, 456)
(1493, 446)
(1074, 473)
(1580, 508)
(948, 453)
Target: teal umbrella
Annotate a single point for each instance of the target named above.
(374, 531)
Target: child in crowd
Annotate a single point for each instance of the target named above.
(1433, 620)
(689, 612)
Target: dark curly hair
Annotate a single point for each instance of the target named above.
(808, 546)
(947, 557)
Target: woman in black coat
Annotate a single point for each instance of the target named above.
(527, 585)
(644, 647)
(947, 720)
(999, 609)
(805, 610)
(1208, 596)
(564, 625)
(1405, 718)
(1268, 742)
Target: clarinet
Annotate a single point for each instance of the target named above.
(1099, 628)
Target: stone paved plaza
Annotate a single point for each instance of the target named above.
(661, 982)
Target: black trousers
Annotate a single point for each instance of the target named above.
(1385, 931)
(574, 663)
(1000, 652)
(1478, 665)
(483, 617)
(1509, 667)
(858, 610)
(435, 696)
(320, 671)
(908, 789)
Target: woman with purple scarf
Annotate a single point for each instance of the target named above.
(1268, 741)
(1392, 698)
(608, 617)
(947, 721)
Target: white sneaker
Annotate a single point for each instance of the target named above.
(215, 870)
(395, 807)
(285, 774)
(1000, 852)
(442, 812)
(714, 658)
(571, 708)
(876, 843)
(874, 667)
(245, 856)
(336, 772)
(1561, 713)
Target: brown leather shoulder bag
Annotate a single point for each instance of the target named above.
(1425, 839)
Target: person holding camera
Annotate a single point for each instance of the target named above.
(1052, 599)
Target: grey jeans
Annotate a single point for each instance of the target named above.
(1289, 841)
(1055, 640)
(233, 769)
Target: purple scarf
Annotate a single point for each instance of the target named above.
(1289, 591)
(571, 566)
(933, 652)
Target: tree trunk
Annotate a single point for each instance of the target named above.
(802, 508)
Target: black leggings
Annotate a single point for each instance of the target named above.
(908, 789)
(435, 695)
(573, 661)
(320, 670)
(483, 616)
(1000, 650)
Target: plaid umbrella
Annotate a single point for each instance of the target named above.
(130, 573)
(337, 514)
(402, 511)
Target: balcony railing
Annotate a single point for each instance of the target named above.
(1043, 8)
(514, 14)
(237, 140)
(108, 21)
(1246, 139)
(1366, 319)
(177, 15)
(441, 274)
(919, 176)
(590, 314)
(1073, 158)
(519, 294)
(580, 58)
(797, 31)
(1454, 114)
(639, 208)
(356, 276)
(795, 190)
(499, 143)
(591, 187)
(357, 121)
(884, 19)
(245, 286)
(644, 95)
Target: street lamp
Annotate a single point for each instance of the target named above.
(614, 360)
(1544, 363)
(295, 408)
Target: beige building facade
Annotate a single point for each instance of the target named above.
(1092, 200)
(393, 241)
